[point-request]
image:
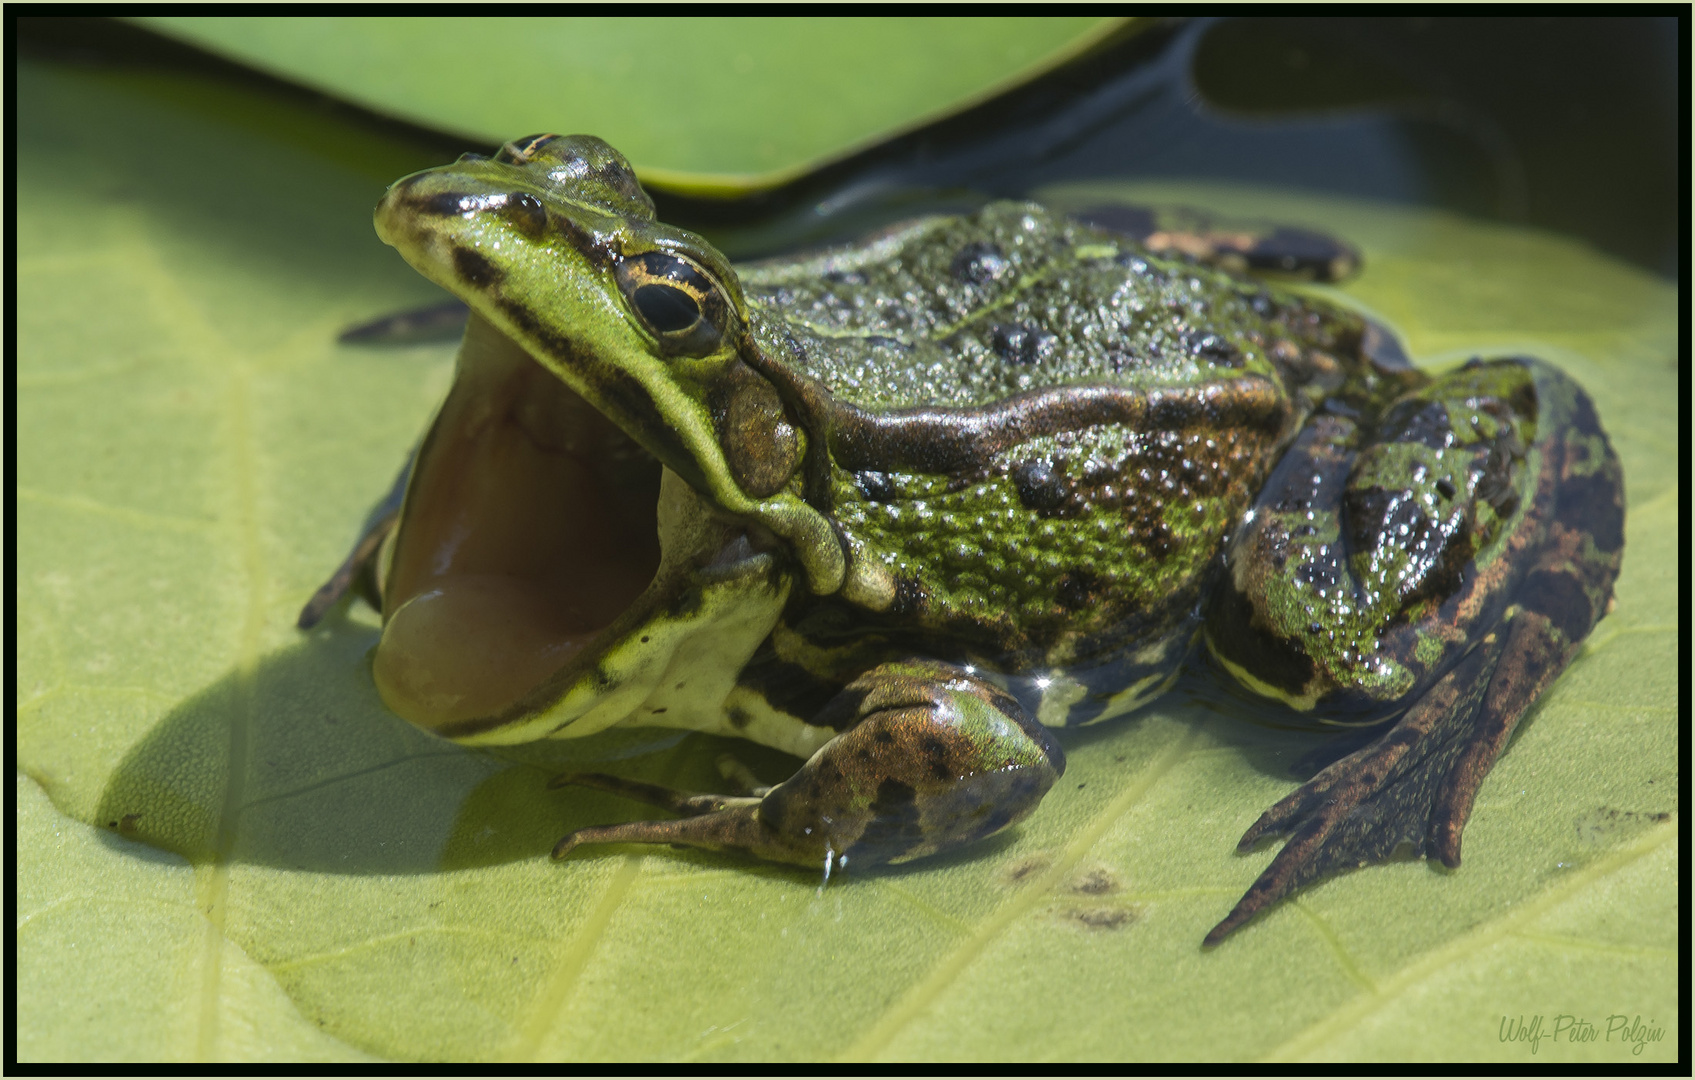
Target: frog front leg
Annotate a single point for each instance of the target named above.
(359, 573)
(929, 757)
(1443, 560)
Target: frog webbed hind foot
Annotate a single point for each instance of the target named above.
(929, 758)
(1415, 784)
(1412, 786)
(1478, 641)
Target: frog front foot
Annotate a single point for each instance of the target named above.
(1448, 559)
(930, 757)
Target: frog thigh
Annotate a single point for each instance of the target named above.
(929, 758)
(1466, 646)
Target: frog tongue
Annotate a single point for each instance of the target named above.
(529, 526)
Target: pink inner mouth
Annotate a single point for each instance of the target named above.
(529, 527)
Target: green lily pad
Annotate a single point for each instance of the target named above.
(697, 103)
(227, 850)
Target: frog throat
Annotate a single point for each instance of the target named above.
(547, 567)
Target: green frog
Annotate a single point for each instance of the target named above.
(905, 507)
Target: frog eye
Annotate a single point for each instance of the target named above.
(676, 300)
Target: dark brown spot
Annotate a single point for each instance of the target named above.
(894, 828)
(1323, 575)
(938, 757)
(978, 263)
(1561, 597)
(1212, 349)
(1583, 418)
(1020, 343)
(1417, 421)
(1040, 488)
(876, 486)
(1593, 504)
(911, 597)
(1078, 589)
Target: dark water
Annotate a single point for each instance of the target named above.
(1565, 124)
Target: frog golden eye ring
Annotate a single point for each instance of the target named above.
(676, 300)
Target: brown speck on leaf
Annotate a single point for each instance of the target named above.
(1095, 882)
(1025, 868)
(1100, 918)
(1605, 823)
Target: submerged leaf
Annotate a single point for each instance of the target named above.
(691, 101)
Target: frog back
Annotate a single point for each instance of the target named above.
(1037, 437)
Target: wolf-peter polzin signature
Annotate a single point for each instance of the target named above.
(1621, 1029)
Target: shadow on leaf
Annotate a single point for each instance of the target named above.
(297, 764)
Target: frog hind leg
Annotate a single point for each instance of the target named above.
(929, 758)
(1519, 614)
(1237, 246)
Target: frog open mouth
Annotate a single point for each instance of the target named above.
(529, 528)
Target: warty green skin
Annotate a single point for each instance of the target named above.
(928, 494)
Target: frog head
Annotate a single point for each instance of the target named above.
(609, 501)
